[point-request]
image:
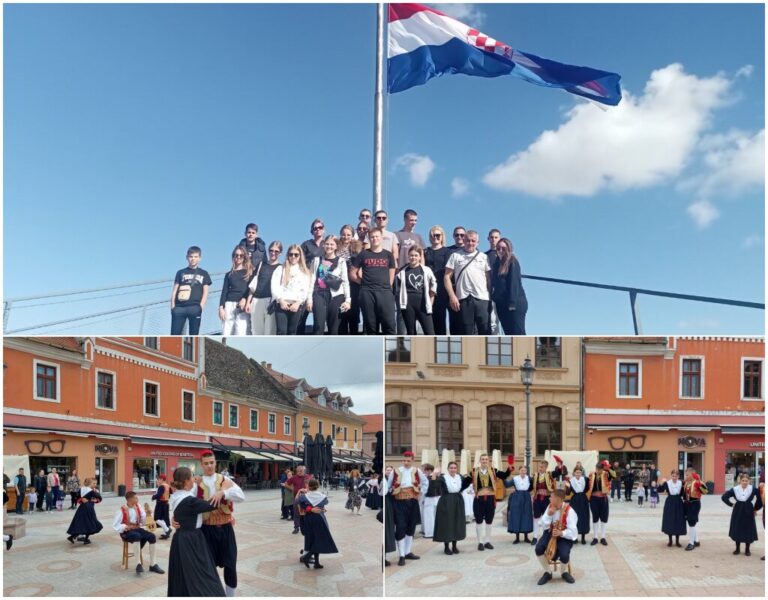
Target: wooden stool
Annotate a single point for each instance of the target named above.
(554, 564)
(127, 555)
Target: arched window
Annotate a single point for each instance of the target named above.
(549, 429)
(450, 427)
(501, 428)
(398, 427)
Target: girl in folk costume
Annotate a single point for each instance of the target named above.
(748, 503)
(519, 505)
(484, 504)
(673, 518)
(161, 498)
(317, 535)
(598, 488)
(577, 484)
(693, 490)
(561, 523)
(450, 521)
(373, 497)
(354, 498)
(543, 484)
(390, 544)
(191, 570)
(84, 522)
(405, 483)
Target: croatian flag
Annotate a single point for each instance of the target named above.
(425, 43)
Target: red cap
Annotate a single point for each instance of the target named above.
(695, 475)
(606, 464)
(205, 453)
(558, 460)
(161, 477)
(407, 453)
(510, 459)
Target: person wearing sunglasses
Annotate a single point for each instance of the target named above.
(234, 294)
(290, 291)
(330, 289)
(365, 217)
(435, 258)
(312, 248)
(254, 244)
(260, 293)
(361, 234)
(388, 238)
(350, 320)
(507, 290)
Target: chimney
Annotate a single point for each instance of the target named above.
(223, 341)
(269, 366)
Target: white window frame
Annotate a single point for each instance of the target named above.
(744, 359)
(680, 382)
(639, 363)
(322, 400)
(298, 393)
(96, 390)
(305, 421)
(334, 429)
(194, 406)
(229, 416)
(46, 363)
(144, 398)
(286, 422)
(213, 413)
(250, 419)
(270, 428)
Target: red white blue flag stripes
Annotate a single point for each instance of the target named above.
(425, 43)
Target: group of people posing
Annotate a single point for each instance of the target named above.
(552, 506)
(396, 281)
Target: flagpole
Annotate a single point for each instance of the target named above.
(378, 111)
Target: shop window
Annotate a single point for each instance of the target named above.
(151, 342)
(254, 419)
(501, 428)
(218, 413)
(448, 350)
(272, 425)
(286, 425)
(188, 406)
(498, 351)
(188, 348)
(151, 399)
(105, 390)
(450, 427)
(234, 414)
(398, 349)
(549, 352)
(752, 370)
(398, 427)
(691, 374)
(145, 472)
(549, 429)
(629, 382)
(47, 381)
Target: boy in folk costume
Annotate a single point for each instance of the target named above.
(484, 504)
(405, 483)
(542, 485)
(561, 523)
(222, 493)
(598, 487)
(430, 491)
(161, 497)
(129, 522)
(693, 489)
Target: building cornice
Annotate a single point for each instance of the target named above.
(142, 362)
(45, 351)
(628, 349)
(482, 385)
(672, 413)
(150, 351)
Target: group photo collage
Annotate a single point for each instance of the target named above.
(434, 300)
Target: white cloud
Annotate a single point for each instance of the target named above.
(745, 71)
(470, 14)
(644, 141)
(752, 241)
(703, 213)
(419, 167)
(459, 187)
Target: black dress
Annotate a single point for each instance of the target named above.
(390, 545)
(743, 529)
(85, 522)
(673, 519)
(580, 504)
(191, 571)
(317, 535)
(450, 521)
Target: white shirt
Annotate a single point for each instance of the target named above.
(578, 485)
(570, 532)
(522, 483)
(233, 494)
(674, 488)
(296, 290)
(473, 280)
(136, 516)
(742, 494)
(404, 477)
(85, 490)
(452, 482)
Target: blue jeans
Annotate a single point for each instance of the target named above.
(180, 315)
(19, 504)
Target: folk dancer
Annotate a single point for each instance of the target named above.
(519, 505)
(405, 482)
(484, 505)
(748, 503)
(693, 489)
(542, 486)
(673, 517)
(450, 521)
(222, 493)
(317, 535)
(129, 522)
(597, 489)
(561, 523)
(577, 498)
(161, 498)
(84, 522)
(390, 545)
(430, 492)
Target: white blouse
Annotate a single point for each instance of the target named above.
(578, 485)
(742, 494)
(522, 483)
(452, 483)
(296, 290)
(673, 488)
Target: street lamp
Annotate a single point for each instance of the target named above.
(526, 376)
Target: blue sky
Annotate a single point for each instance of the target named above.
(132, 132)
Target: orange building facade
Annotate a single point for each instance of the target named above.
(677, 402)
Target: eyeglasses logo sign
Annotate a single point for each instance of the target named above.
(38, 446)
(620, 442)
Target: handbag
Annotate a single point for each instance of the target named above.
(271, 307)
(333, 281)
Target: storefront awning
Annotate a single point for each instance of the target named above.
(742, 430)
(248, 455)
(274, 456)
(162, 442)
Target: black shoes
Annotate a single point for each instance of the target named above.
(689, 547)
(295, 530)
(747, 553)
(480, 547)
(697, 544)
(318, 566)
(401, 561)
(387, 563)
(165, 536)
(305, 559)
(545, 578)
(517, 541)
(412, 556)
(489, 545)
(568, 577)
(533, 542)
(455, 549)
(448, 551)
(139, 569)
(86, 541)
(71, 539)
(605, 543)
(594, 542)
(9, 542)
(583, 542)
(157, 569)
(678, 544)
(737, 551)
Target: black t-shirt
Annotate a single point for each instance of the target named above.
(436, 259)
(235, 287)
(376, 266)
(256, 251)
(311, 250)
(414, 280)
(191, 282)
(264, 281)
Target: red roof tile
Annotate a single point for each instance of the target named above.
(373, 423)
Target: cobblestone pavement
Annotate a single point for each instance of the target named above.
(43, 563)
(636, 562)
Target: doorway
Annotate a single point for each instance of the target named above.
(691, 459)
(105, 475)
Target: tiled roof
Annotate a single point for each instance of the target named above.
(67, 343)
(230, 370)
(373, 423)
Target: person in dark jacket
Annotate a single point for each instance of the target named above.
(40, 483)
(507, 290)
(629, 482)
(253, 244)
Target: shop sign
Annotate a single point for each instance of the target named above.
(692, 442)
(106, 449)
(757, 444)
(178, 453)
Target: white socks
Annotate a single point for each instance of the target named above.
(163, 526)
(408, 543)
(544, 562)
(152, 549)
(401, 547)
(479, 530)
(488, 530)
(6, 537)
(602, 530)
(694, 535)
(599, 530)
(229, 591)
